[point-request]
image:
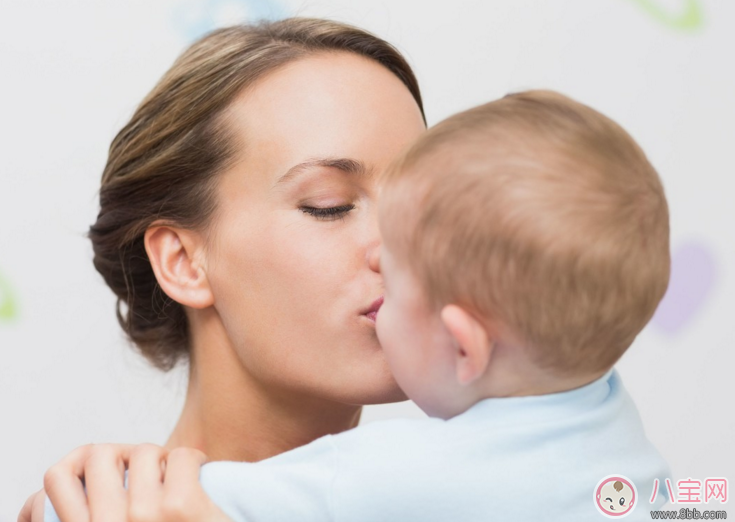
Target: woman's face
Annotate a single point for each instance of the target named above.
(292, 262)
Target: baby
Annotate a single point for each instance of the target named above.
(526, 244)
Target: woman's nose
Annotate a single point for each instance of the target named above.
(374, 258)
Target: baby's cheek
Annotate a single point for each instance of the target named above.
(382, 324)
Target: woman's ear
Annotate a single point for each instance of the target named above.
(176, 258)
(474, 345)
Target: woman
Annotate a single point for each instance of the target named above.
(238, 229)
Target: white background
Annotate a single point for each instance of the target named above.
(72, 72)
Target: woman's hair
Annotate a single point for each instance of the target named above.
(163, 164)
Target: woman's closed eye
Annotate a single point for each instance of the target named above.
(328, 213)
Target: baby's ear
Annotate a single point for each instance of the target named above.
(473, 344)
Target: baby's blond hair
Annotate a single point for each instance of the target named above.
(542, 213)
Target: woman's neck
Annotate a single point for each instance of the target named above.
(229, 415)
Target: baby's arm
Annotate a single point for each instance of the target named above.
(296, 485)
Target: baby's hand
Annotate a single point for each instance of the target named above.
(163, 486)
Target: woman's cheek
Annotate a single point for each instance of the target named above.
(316, 256)
(336, 249)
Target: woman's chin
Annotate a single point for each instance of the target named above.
(371, 399)
(395, 395)
(374, 389)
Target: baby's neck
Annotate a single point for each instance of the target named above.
(533, 382)
(512, 376)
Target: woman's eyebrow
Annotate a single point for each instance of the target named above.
(347, 165)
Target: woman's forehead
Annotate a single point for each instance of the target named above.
(329, 105)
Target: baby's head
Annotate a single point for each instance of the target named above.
(525, 245)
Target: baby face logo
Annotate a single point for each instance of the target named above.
(615, 496)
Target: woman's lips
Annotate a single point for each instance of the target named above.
(372, 312)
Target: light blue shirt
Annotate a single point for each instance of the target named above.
(508, 459)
